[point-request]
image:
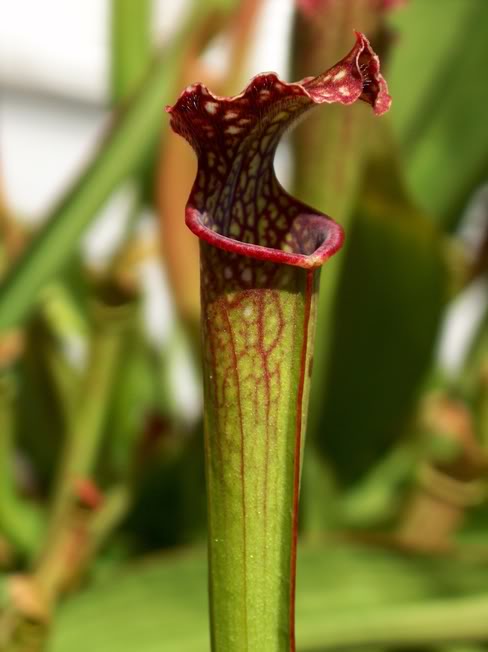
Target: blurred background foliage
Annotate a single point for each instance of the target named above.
(102, 505)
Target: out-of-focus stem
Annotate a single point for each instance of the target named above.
(17, 521)
(12, 235)
(131, 45)
(327, 176)
(241, 30)
(25, 620)
(446, 488)
(176, 172)
(85, 530)
(87, 427)
(72, 533)
(482, 404)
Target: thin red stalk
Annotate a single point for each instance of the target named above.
(298, 455)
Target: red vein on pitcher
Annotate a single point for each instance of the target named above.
(237, 204)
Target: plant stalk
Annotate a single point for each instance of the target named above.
(18, 521)
(85, 434)
(254, 452)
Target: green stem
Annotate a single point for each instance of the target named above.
(74, 532)
(131, 44)
(17, 520)
(114, 508)
(254, 423)
(87, 429)
(83, 535)
(328, 177)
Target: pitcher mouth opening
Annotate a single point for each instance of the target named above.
(310, 241)
(237, 204)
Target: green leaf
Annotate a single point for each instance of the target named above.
(346, 595)
(329, 176)
(436, 78)
(389, 304)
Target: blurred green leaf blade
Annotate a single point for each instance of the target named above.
(439, 113)
(127, 144)
(162, 604)
(389, 304)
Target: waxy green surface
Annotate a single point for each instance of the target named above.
(260, 252)
(257, 347)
